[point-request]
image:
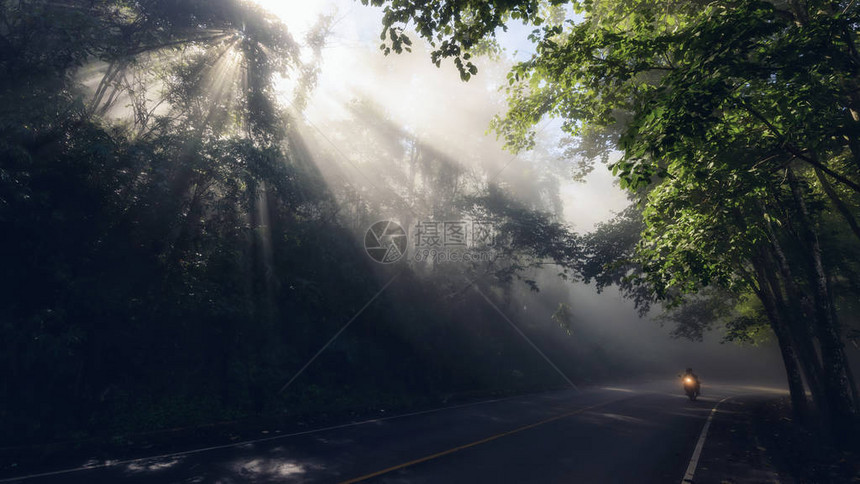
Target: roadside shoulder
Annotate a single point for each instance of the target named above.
(734, 451)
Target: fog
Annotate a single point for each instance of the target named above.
(365, 111)
(229, 216)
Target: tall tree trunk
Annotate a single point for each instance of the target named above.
(784, 304)
(795, 308)
(790, 312)
(799, 404)
(838, 203)
(826, 326)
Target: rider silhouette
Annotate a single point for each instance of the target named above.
(689, 373)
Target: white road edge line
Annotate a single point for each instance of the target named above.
(694, 460)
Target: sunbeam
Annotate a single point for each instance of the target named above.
(443, 241)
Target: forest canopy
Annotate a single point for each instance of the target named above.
(176, 249)
(738, 125)
(184, 246)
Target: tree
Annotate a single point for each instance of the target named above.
(736, 120)
(172, 253)
(136, 249)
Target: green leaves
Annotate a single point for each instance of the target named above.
(708, 104)
(453, 28)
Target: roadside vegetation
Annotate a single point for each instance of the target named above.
(739, 128)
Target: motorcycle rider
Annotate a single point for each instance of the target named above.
(689, 373)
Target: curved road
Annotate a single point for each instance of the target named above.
(642, 433)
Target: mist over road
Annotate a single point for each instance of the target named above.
(631, 433)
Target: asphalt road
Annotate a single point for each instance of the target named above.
(642, 433)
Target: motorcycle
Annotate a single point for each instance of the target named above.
(691, 387)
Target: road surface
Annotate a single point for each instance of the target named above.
(642, 433)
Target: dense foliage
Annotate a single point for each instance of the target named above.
(172, 253)
(738, 126)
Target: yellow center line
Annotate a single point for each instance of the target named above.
(479, 442)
